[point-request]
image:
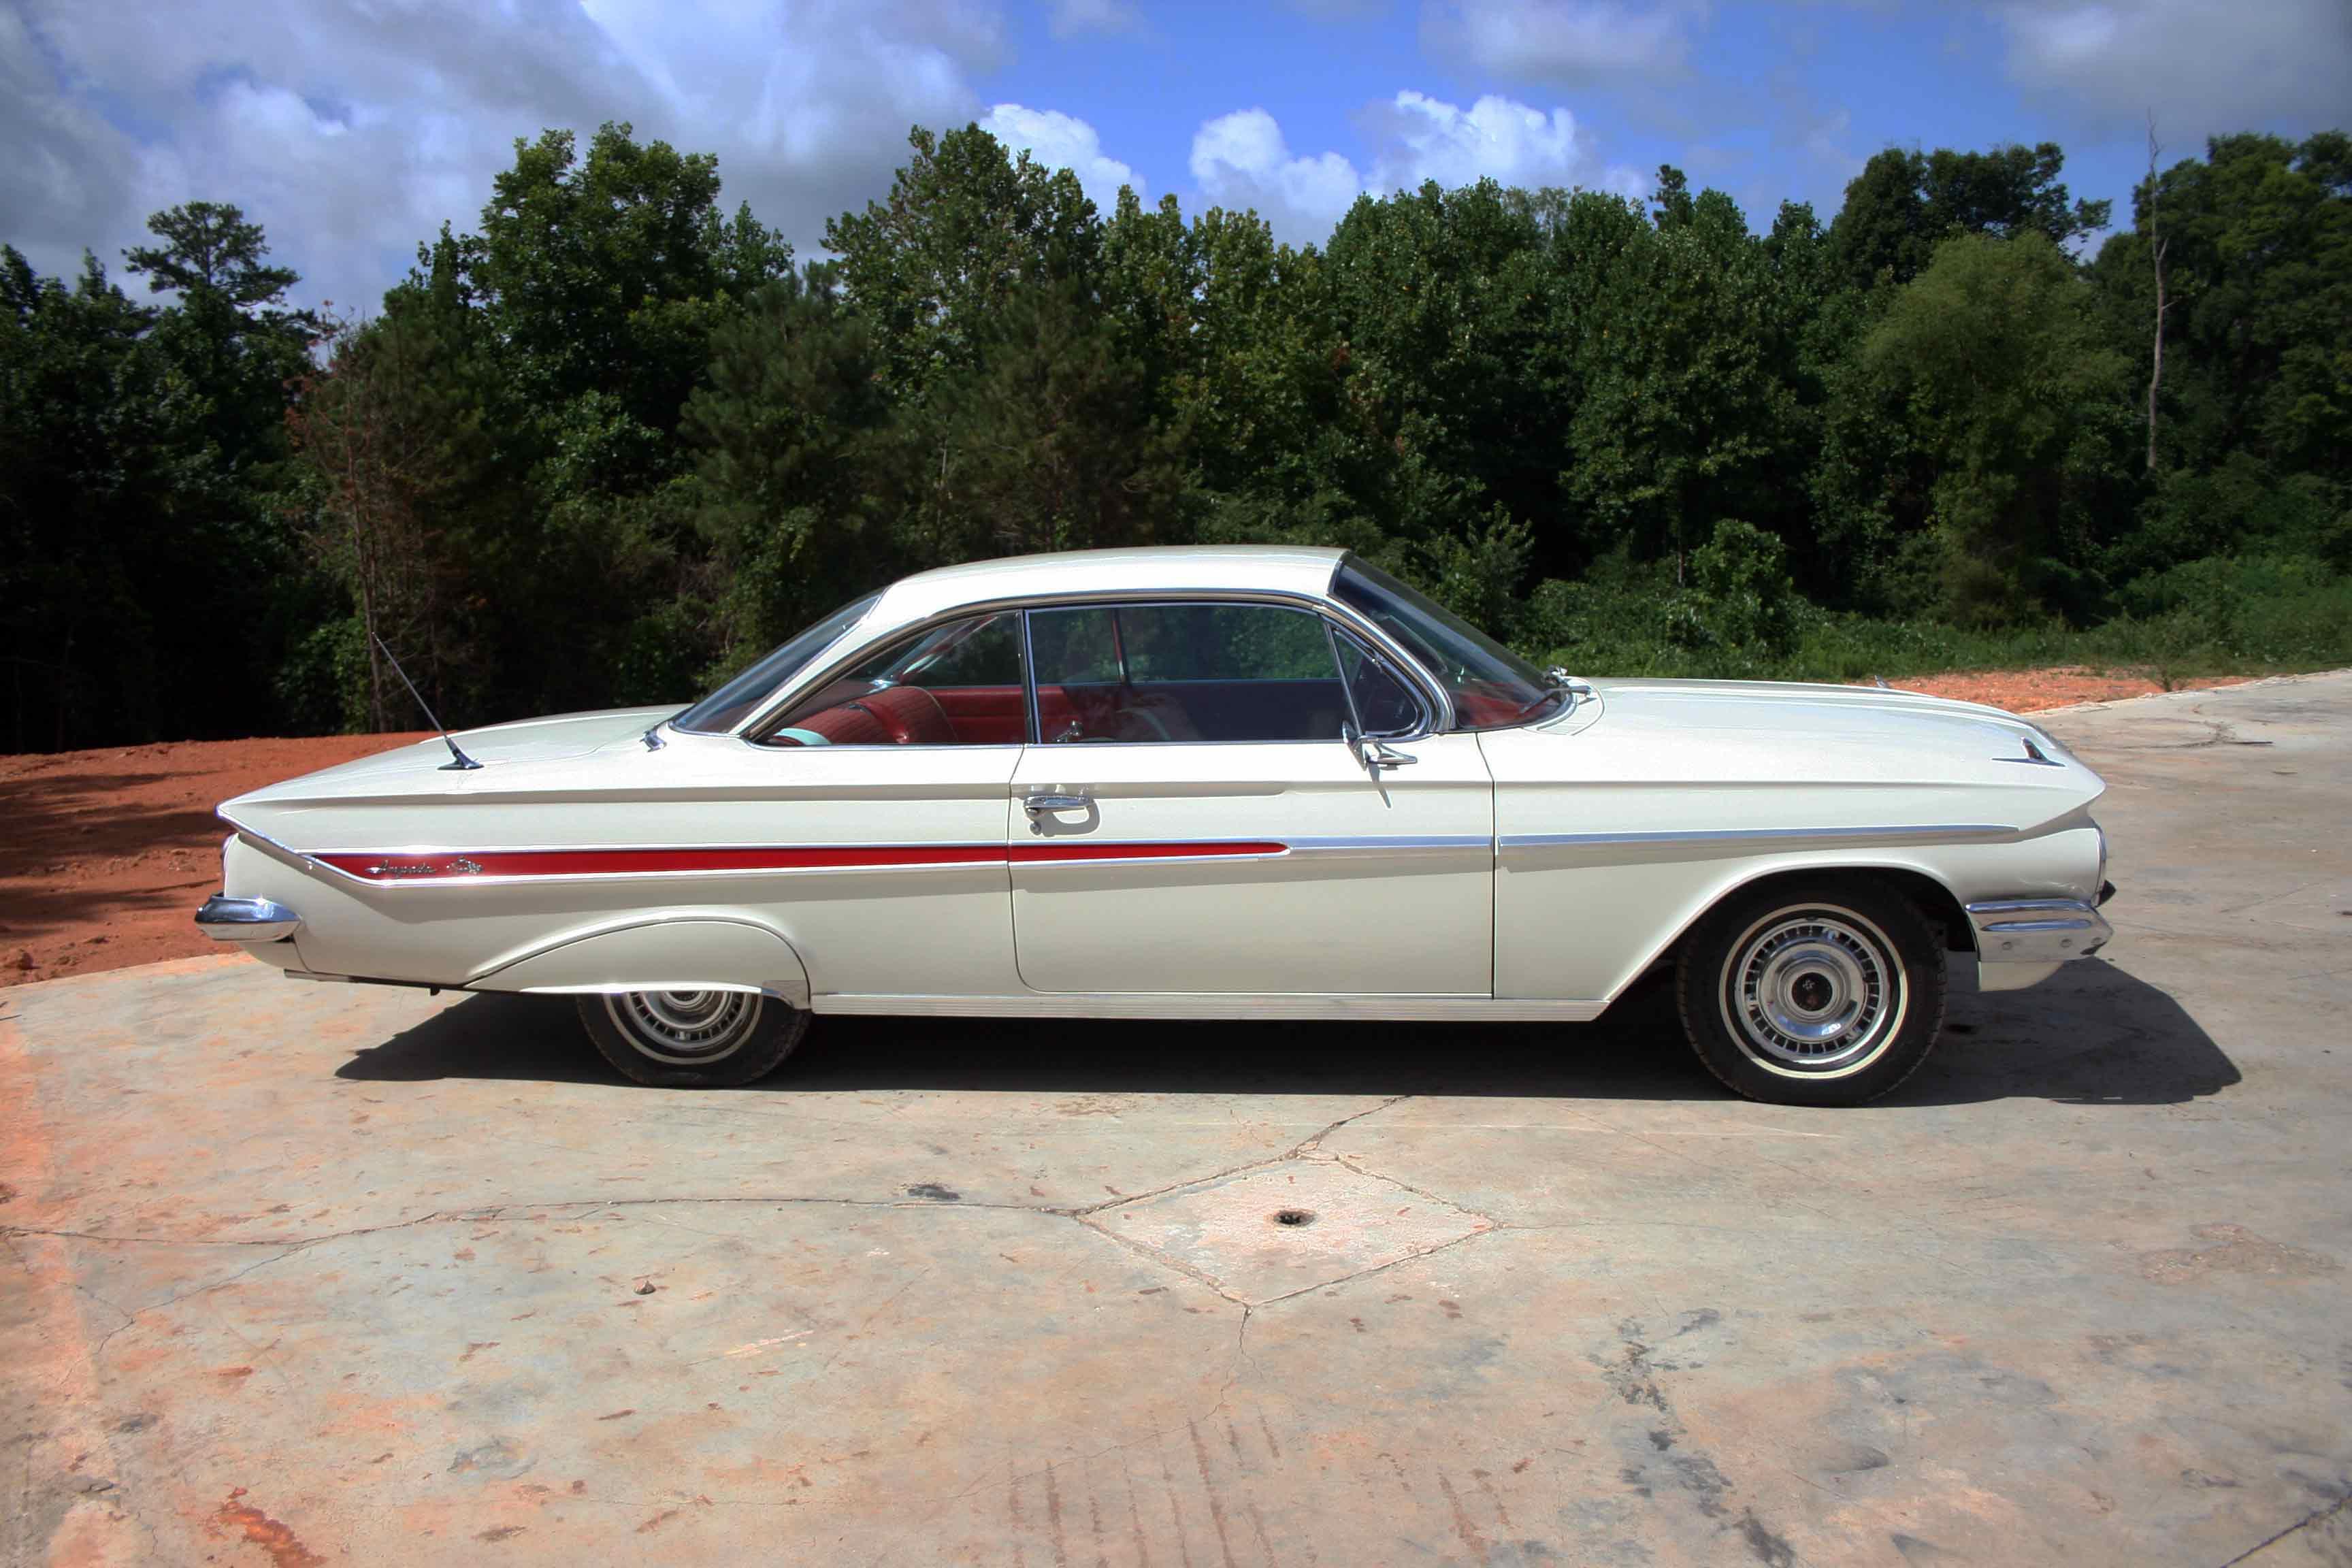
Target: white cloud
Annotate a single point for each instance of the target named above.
(1242, 159)
(1239, 160)
(1059, 141)
(2201, 66)
(1562, 41)
(351, 129)
(1424, 138)
(1068, 17)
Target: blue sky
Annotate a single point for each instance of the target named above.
(353, 127)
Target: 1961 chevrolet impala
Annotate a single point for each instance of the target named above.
(1245, 783)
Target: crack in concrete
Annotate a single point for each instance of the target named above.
(2316, 1516)
(1382, 1267)
(574, 1208)
(1151, 1255)
(1303, 1149)
(128, 1318)
(1361, 1169)
(1316, 1142)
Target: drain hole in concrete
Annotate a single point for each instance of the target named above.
(1294, 1216)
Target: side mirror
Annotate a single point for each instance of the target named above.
(1377, 756)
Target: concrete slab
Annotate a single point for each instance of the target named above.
(1279, 1230)
(306, 1274)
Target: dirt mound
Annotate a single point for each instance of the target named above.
(2031, 691)
(105, 854)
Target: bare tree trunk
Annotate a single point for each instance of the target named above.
(2156, 255)
(364, 564)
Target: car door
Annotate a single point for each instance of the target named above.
(891, 781)
(1196, 818)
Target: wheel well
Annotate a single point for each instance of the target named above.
(1930, 896)
(1935, 901)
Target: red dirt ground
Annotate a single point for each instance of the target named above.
(106, 853)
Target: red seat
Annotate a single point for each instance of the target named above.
(912, 716)
(894, 716)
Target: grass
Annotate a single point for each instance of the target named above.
(2222, 617)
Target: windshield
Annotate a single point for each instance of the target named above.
(1492, 688)
(727, 708)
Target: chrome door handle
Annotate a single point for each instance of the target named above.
(1036, 804)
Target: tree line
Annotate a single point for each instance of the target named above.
(614, 440)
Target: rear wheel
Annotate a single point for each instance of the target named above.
(1824, 992)
(693, 1038)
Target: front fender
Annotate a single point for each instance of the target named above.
(1585, 924)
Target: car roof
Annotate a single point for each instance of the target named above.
(1189, 568)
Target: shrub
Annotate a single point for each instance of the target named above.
(1739, 602)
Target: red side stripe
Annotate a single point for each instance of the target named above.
(460, 865)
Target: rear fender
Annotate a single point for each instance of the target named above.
(682, 952)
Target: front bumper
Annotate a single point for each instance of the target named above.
(225, 918)
(2038, 931)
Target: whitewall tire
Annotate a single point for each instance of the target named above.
(1822, 990)
(693, 1040)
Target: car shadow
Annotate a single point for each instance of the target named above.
(2091, 1035)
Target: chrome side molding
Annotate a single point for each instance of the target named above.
(2037, 930)
(246, 919)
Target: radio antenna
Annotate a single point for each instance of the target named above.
(459, 762)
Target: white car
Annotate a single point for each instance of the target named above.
(1211, 783)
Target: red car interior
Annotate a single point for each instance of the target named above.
(998, 715)
(1477, 704)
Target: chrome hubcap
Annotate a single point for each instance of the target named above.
(1813, 991)
(685, 1028)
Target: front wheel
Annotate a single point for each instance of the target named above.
(693, 1040)
(1824, 991)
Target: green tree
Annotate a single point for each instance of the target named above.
(1995, 361)
(1046, 443)
(800, 466)
(1681, 411)
(1442, 300)
(1906, 202)
(2259, 340)
(88, 501)
(964, 227)
(232, 340)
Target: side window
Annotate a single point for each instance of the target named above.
(956, 685)
(970, 653)
(1159, 673)
(1385, 705)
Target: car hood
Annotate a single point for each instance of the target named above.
(1731, 732)
(1801, 711)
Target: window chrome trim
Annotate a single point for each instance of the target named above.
(1408, 734)
(848, 632)
(838, 659)
(1036, 730)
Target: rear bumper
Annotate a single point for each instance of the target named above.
(2038, 931)
(246, 919)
